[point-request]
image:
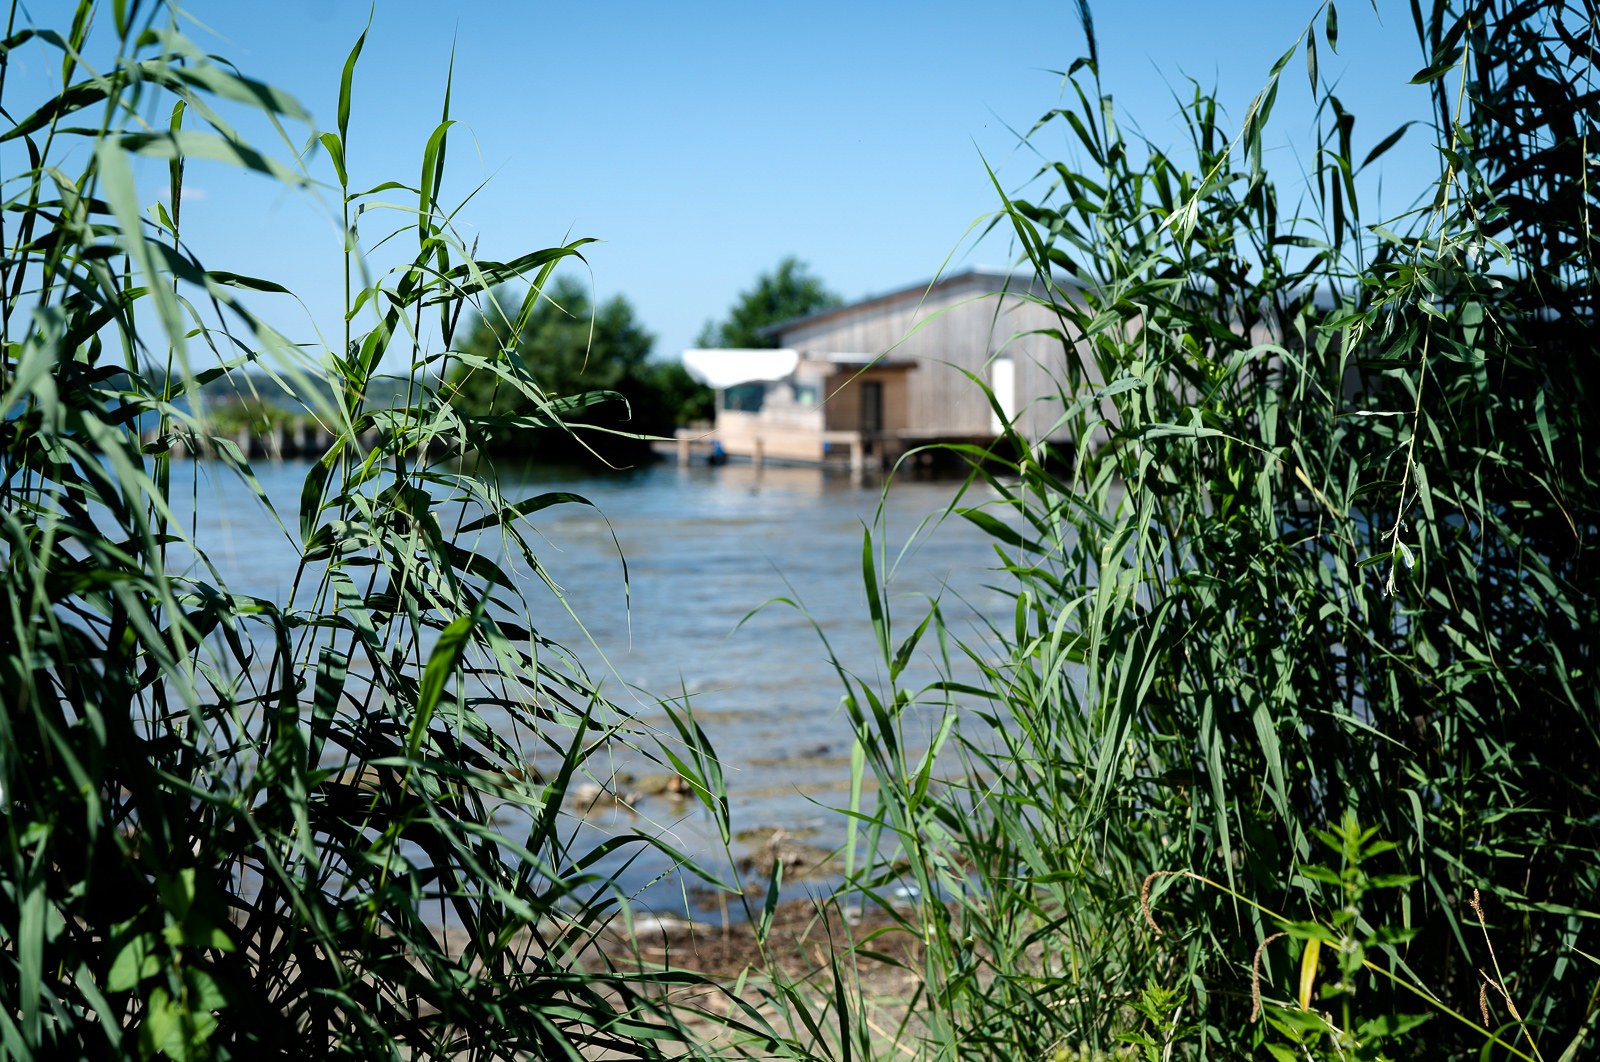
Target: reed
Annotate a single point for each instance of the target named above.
(233, 826)
(1325, 546)
(1323, 554)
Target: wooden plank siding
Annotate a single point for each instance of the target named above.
(880, 376)
(957, 323)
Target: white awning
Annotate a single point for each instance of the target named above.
(724, 368)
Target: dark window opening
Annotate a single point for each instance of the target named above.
(871, 406)
(745, 397)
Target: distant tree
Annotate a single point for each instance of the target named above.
(568, 344)
(782, 295)
(683, 399)
(572, 347)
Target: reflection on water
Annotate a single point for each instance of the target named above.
(733, 579)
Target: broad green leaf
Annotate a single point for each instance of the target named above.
(1437, 69)
(347, 82)
(442, 663)
(335, 149)
(193, 144)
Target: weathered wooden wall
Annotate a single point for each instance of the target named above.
(958, 324)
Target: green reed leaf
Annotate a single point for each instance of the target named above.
(193, 144)
(443, 662)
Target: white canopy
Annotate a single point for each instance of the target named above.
(724, 368)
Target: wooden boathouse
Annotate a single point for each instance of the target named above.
(863, 383)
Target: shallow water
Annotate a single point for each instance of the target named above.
(709, 553)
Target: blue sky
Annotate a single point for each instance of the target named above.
(703, 142)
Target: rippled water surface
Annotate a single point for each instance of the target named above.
(709, 554)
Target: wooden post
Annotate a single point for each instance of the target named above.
(757, 453)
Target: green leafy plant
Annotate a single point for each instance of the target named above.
(233, 826)
(1346, 935)
(1357, 951)
(1323, 541)
(1161, 1007)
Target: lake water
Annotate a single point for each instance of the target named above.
(705, 549)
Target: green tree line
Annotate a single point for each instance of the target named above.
(575, 348)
